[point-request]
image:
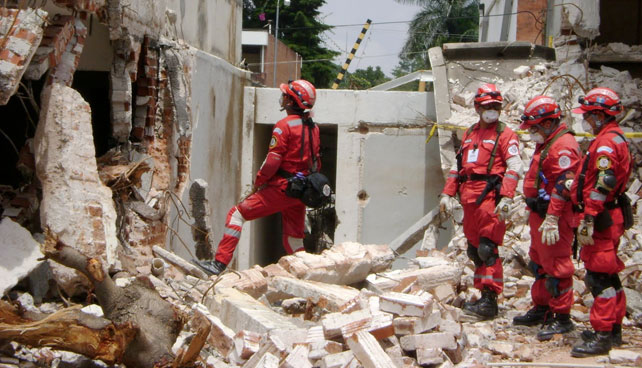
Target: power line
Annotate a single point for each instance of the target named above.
(329, 59)
(328, 27)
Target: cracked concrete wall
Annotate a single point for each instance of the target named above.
(212, 26)
(216, 153)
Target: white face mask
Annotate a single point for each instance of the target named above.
(537, 138)
(490, 116)
(586, 126)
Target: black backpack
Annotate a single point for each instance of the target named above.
(313, 190)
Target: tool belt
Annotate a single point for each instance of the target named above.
(493, 182)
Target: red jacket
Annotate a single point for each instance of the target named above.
(563, 157)
(476, 147)
(285, 151)
(608, 151)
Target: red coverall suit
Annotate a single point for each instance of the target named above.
(480, 221)
(287, 154)
(607, 152)
(554, 261)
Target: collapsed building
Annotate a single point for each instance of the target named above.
(135, 132)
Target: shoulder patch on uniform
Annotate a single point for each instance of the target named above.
(513, 141)
(603, 163)
(513, 150)
(490, 141)
(564, 162)
(604, 149)
(273, 142)
(468, 140)
(564, 152)
(278, 131)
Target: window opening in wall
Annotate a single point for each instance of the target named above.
(20, 118)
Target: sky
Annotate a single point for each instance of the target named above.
(382, 43)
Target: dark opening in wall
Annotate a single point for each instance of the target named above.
(94, 88)
(268, 247)
(19, 121)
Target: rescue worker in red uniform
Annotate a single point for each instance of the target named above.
(597, 194)
(488, 169)
(289, 153)
(547, 190)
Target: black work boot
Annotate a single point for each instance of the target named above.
(485, 308)
(616, 335)
(600, 344)
(212, 267)
(534, 316)
(561, 324)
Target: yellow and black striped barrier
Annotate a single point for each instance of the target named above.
(335, 85)
(434, 128)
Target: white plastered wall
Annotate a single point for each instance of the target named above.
(217, 145)
(381, 149)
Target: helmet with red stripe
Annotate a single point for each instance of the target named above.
(600, 98)
(487, 94)
(302, 92)
(538, 109)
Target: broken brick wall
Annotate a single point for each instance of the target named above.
(147, 160)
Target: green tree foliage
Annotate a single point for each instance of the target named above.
(364, 78)
(439, 22)
(300, 29)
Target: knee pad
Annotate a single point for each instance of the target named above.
(472, 254)
(553, 286)
(486, 251)
(236, 218)
(534, 267)
(597, 282)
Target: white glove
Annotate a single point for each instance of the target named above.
(446, 206)
(585, 232)
(504, 208)
(550, 230)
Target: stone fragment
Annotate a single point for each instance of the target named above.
(627, 357)
(20, 254)
(436, 340)
(298, 358)
(338, 360)
(406, 304)
(331, 296)
(429, 356)
(368, 351)
(76, 206)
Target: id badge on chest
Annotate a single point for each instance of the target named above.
(473, 154)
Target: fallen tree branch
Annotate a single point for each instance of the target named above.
(72, 330)
(137, 304)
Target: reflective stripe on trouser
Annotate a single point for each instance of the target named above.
(267, 201)
(491, 277)
(482, 222)
(231, 236)
(554, 261)
(609, 306)
(562, 304)
(292, 244)
(603, 311)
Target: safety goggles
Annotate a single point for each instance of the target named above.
(526, 118)
(493, 94)
(585, 102)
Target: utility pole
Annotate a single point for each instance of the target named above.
(344, 69)
(276, 41)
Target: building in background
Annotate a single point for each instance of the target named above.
(258, 57)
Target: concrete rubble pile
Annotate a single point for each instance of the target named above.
(341, 308)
